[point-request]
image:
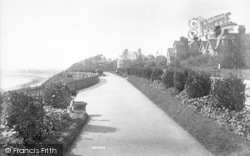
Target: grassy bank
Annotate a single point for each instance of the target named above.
(218, 140)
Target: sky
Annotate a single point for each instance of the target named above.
(53, 34)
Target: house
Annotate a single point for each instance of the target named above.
(193, 47)
(179, 48)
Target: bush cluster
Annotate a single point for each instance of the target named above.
(238, 122)
(147, 73)
(36, 118)
(198, 84)
(24, 114)
(219, 99)
(168, 77)
(57, 95)
(156, 74)
(180, 76)
(229, 92)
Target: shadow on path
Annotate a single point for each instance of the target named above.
(99, 129)
(94, 115)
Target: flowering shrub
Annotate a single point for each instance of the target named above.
(57, 95)
(180, 76)
(197, 84)
(156, 74)
(168, 77)
(229, 92)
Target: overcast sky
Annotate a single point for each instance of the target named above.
(44, 34)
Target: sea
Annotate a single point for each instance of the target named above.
(9, 82)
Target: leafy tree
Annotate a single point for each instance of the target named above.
(236, 56)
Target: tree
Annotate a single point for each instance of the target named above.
(235, 57)
(125, 54)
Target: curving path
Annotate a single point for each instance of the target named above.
(125, 122)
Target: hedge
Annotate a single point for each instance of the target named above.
(168, 77)
(229, 93)
(197, 84)
(180, 76)
(156, 74)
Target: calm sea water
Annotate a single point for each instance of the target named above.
(8, 82)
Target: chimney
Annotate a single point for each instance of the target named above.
(241, 29)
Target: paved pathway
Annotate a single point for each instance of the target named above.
(125, 122)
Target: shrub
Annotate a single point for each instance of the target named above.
(58, 118)
(57, 95)
(180, 76)
(24, 114)
(168, 77)
(229, 92)
(197, 84)
(156, 74)
(147, 73)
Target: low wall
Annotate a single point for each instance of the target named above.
(84, 83)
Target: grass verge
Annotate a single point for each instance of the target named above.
(218, 140)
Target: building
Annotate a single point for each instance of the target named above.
(179, 48)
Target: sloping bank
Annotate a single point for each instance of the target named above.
(218, 140)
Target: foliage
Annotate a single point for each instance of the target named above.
(180, 76)
(156, 74)
(57, 95)
(229, 92)
(147, 72)
(197, 84)
(28, 121)
(235, 57)
(24, 114)
(238, 122)
(204, 60)
(168, 77)
(96, 62)
(58, 118)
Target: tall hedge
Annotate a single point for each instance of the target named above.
(156, 74)
(229, 92)
(197, 84)
(180, 76)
